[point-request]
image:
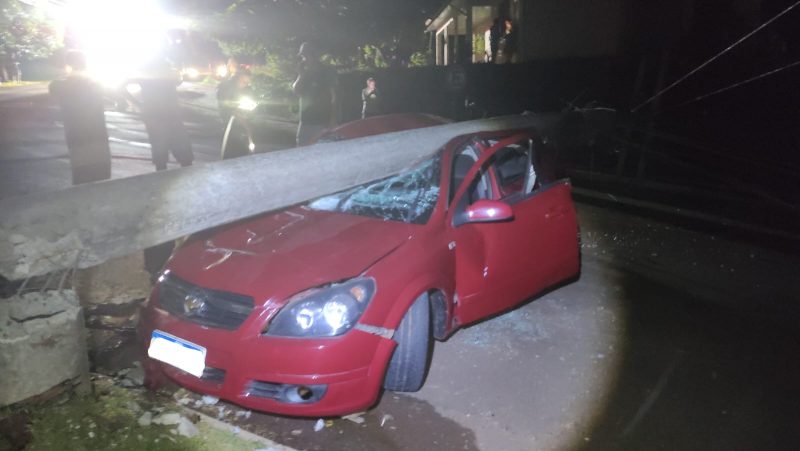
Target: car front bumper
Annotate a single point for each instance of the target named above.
(344, 374)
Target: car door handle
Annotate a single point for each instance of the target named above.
(555, 212)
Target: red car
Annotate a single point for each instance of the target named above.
(310, 311)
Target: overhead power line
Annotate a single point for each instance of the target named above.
(736, 85)
(713, 58)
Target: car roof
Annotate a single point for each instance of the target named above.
(381, 124)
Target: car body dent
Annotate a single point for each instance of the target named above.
(318, 249)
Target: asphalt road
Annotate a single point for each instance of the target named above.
(671, 338)
(33, 153)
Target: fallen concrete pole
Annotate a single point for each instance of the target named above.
(89, 224)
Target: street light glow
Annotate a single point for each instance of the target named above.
(117, 36)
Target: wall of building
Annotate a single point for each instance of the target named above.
(568, 28)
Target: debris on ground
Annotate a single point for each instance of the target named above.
(146, 419)
(319, 425)
(167, 419)
(117, 418)
(356, 418)
(186, 428)
(386, 418)
(131, 377)
(133, 406)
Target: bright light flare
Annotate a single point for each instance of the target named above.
(247, 104)
(191, 73)
(222, 71)
(117, 36)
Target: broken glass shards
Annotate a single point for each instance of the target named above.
(409, 196)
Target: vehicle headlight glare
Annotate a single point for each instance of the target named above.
(335, 314)
(305, 318)
(247, 104)
(323, 312)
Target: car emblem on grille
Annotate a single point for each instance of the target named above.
(192, 304)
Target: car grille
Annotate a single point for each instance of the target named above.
(204, 306)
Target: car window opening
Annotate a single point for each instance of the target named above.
(480, 188)
(515, 171)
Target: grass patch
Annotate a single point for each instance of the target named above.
(108, 420)
(9, 84)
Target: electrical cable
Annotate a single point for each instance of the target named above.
(735, 85)
(713, 58)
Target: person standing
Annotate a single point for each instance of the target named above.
(162, 116)
(236, 103)
(371, 101)
(507, 45)
(316, 88)
(494, 38)
(17, 67)
(3, 71)
(230, 91)
(81, 102)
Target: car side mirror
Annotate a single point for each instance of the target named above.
(484, 211)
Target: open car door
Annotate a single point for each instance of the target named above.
(500, 263)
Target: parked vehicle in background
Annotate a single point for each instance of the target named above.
(311, 310)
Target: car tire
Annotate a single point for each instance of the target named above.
(409, 363)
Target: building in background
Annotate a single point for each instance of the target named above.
(460, 32)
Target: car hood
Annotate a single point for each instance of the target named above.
(277, 255)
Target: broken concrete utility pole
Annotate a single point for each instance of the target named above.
(88, 224)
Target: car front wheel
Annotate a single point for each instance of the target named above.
(409, 363)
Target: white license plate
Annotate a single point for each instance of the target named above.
(177, 352)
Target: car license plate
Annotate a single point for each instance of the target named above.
(177, 352)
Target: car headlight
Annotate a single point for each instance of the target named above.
(323, 312)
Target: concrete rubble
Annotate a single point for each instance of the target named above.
(131, 377)
(42, 343)
(185, 426)
(116, 282)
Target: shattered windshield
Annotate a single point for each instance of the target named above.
(409, 196)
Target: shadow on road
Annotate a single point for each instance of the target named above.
(697, 375)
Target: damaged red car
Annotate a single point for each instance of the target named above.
(312, 310)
